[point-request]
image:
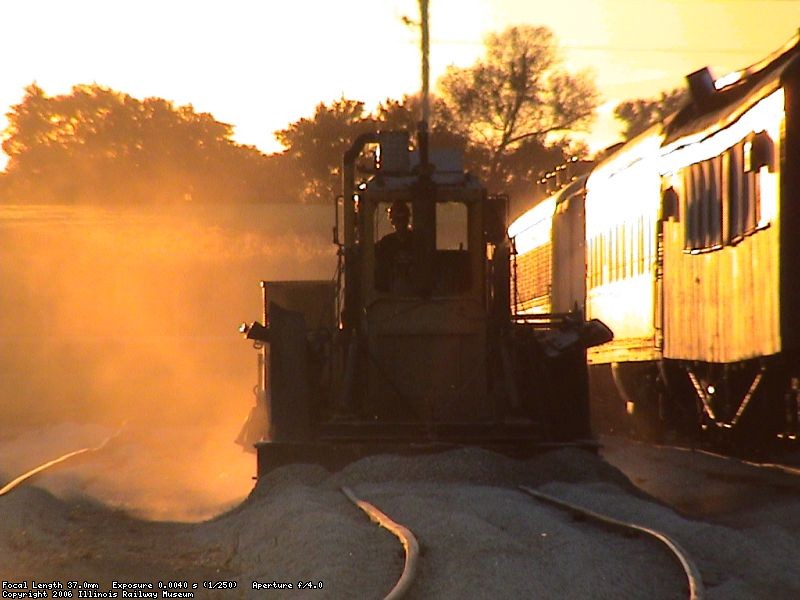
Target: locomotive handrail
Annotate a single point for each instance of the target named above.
(543, 317)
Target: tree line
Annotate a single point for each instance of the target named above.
(514, 113)
(97, 145)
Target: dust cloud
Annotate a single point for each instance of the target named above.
(115, 316)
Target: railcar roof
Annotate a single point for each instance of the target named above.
(726, 105)
(571, 189)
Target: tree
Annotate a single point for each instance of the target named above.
(399, 114)
(99, 145)
(517, 93)
(406, 114)
(641, 113)
(316, 145)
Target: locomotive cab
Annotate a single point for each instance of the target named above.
(422, 302)
(413, 348)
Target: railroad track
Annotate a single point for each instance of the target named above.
(715, 465)
(402, 533)
(30, 474)
(790, 468)
(785, 463)
(406, 581)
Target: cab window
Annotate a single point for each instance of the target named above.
(451, 226)
(452, 244)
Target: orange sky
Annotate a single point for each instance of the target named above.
(260, 65)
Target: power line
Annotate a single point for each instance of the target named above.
(673, 50)
(601, 48)
(728, 1)
(719, 1)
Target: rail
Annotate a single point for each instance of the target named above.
(52, 463)
(402, 533)
(696, 590)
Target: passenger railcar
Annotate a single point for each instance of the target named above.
(532, 236)
(549, 253)
(690, 254)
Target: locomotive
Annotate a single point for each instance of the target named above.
(684, 241)
(420, 351)
(413, 347)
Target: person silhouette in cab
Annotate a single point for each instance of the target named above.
(394, 252)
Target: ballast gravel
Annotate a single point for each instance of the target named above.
(480, 536)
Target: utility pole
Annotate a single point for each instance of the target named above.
(426, 75)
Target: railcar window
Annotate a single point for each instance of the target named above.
(686, 204)
(623, 252)
(703, 200)
(688, 196)
(736, 226)
(641, 245)
(595, 267)
(714, 203)
(722, 201)
(610, 258)
(631, 255)
(625, 256)
(602, 265)
(601, 256)
(613, 260)
(728, 209)
(753, 201)
(620, 252)
(693, 195)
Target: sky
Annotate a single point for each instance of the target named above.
(260, 65)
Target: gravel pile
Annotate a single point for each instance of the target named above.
(31, 517)
(746, 564)
(480, 536)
